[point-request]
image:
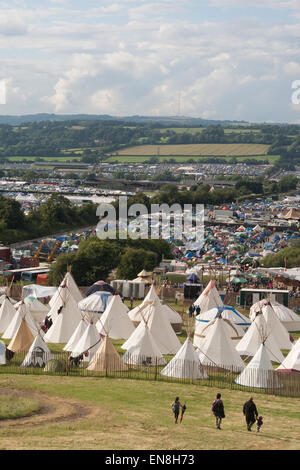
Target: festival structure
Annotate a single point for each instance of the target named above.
(209, 298)
(106, 358)
(259, 373)
(251, 341)
(38, 355)
(288, 317)
(291, 362)
(217, 348)
(115, 320)
(185, 364)
(7, 312)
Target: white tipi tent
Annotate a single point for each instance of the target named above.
(160, 328)
(7, 312)
(209, 298)
(217, 349)
(22, 312)
(251, 341)
(38, 355)
(173, 316)
(185, 364)
(289, 319)
(259, 373)
(236, 323)
(36, 308)
(144, 351)
(115, 320)
(274, 325)
(77, 334)
(88, 343)
(68, 284)
(291, 363)
(67, 317)
(106, 358)
(22, 339)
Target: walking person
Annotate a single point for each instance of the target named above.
(250, 412)
(182, 412)
(218, 410)
(259, 423)
(176, 405)
(198, 310)
(191, 311)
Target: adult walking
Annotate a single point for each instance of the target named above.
(250, 412)
(218, 410)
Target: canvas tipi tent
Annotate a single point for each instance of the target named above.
(22, 312)
(88, 343)
(259, 373)
(145, 350)
(274, 325)
(7, 312)
(251, 341)
(237, 322)
(68, 285)
(66, 318)
(159, 326)
(36, 308)
(185, 364)
(173, 316)
(289, 319)
(106, 358)
(77, 334)
(217, 349)
(209, 298)
(115, 320)
(291, 363)
(22, 339)
(38, 355)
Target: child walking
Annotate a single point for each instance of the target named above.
(259, 423)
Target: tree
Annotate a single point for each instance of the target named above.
(134, 260)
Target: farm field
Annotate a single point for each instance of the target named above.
(197, 149)
(195, 130)
(44, 159)
(183, 159)
(90, 413)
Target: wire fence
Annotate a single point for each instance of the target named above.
(272, 382)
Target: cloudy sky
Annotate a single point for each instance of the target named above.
(216, 59)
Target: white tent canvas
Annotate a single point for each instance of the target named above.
(291, 363)
(38, 355)
(68, 285)
(4, 296)
(218, 349)
(37, 309)
(160, 328)
(277, 329)
(65, 322)
(7, 312)
(96, 303)
(251, 341)
(115, 321)
(209, 298)
(88, 343)
(289, 319)
(185, 364)
(23, 311)
(145, 351)
(77, 334)
(259, 373)
(173, 316)
(106, 358)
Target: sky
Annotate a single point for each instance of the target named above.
(215, 59)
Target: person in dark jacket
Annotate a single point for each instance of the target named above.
(191, 311)
(250, 412)
(218, 410)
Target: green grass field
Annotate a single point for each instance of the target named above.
(44, 159)
(128, 414)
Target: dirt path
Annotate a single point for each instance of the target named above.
(54, 409)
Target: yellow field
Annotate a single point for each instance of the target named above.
(197, 149)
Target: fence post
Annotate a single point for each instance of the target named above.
(155, 376)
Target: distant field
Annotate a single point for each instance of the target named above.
(183, 159)
(195, 130)
(218, 150)
(46, 159)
